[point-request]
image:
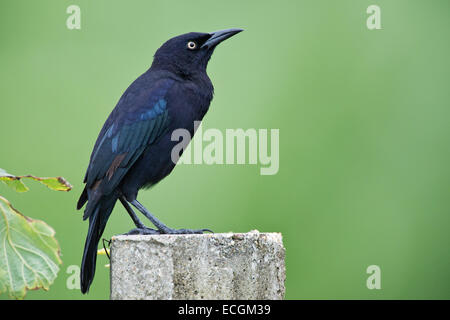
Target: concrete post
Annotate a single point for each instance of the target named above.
(208, 266)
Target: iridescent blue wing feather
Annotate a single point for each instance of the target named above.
(138, 120)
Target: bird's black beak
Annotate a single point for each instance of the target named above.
(219, 36)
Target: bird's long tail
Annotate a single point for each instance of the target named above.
(99, 215)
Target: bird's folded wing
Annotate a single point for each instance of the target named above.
(138, 120)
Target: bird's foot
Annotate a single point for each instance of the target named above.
(146, 231)
(143, 231)
(183, 231)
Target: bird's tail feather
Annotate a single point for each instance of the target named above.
(101, 211)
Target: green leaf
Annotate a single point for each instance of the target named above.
(16, 183)
(29, 253)
(12, 181)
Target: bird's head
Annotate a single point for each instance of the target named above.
(189, 53)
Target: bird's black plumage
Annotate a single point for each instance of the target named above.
(133, 149)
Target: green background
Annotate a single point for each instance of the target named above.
(363, 117)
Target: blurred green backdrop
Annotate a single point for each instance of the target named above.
(363, 117)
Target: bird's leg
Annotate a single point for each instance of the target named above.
(140, 227)
(130, 211)
(162, 228)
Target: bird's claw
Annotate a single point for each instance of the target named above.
(146, 231)
(184, 231)
(142, 231)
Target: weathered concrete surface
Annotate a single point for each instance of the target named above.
(208, 266)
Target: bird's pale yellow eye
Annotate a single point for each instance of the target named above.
(191, 45)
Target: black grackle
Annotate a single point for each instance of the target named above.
(133, 149)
